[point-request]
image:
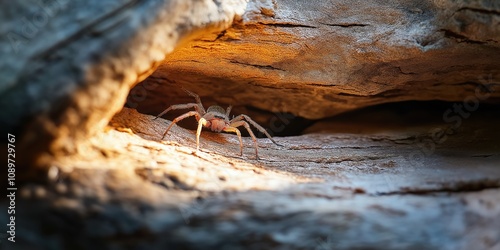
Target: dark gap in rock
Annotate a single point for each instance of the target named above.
(282, 123)
(458, 37)
(395, 115)
(287, 25)
(482, 11)
(400, 116)
(456, 187)
(276, 123)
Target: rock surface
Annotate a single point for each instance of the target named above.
(357, 189)
(322, 58)
(427, 177)
(68, 66)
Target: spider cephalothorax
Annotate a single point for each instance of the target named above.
(216, 119)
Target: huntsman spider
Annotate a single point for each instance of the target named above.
(216, 119)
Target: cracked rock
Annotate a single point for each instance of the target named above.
(93, 174)
(323, 58)
(344, 186)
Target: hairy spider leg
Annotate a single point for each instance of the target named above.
(228, 110)
(256, 125)
(182, 117)
(237, 131)
(180, 106)
(245, 124)
(197, 98)
(201, 123)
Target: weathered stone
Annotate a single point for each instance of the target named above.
(316, 59)
(361, 188)
(68, 66)
(427, 177)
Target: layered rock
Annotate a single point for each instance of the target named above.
(420, 177)
(322, 58)
(368, 183)
(68, 66)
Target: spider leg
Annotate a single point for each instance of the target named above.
(179, 106)
(237, 131)
(182, 117)
(245, 124)
(201, 122)
(197, 98)
(256, 125)
(228, 110)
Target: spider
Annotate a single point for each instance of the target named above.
(216, 119)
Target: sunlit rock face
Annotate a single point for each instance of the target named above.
(405, 175)
(372, 180)
(67, 66)
(316, 59)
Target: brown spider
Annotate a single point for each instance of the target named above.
(216, 119)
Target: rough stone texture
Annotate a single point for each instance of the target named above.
(67, 66)
(425, 178)
(316, 59)
(349, 186)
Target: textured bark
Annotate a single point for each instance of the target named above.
(362, 188)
